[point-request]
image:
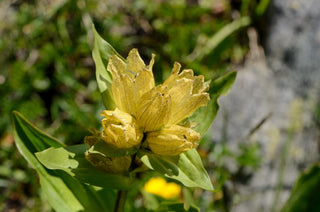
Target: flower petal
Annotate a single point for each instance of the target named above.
(173, 76)
(187, 93)
(198, 85)
(184, 109)
(154, 109)
(135, 63)
(144, 80)
(172, 140)
(120, 129)
(124, 93)
(130, 82)
(116, 66)
(116, 117)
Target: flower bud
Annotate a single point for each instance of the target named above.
(115, 165)
(120, 129)
(172, 140)
(92, 139)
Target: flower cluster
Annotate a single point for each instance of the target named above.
(152, 113)
(148, 114)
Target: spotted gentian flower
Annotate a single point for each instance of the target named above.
(151, 114)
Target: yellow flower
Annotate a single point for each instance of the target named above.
(115, 165)
(150, 113)
(160, 187)
(171, 140)
(119, 129)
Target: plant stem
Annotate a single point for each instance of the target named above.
(121, 199)
(281, 172)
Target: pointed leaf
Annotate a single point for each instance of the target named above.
(72, 160)
(63, 192)
(151, 201)
(101, 53)
(207, 45)
(186, 168)
(204, 116)
(223, 84)
(187, 197)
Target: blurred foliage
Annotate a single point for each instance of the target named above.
(304, 193)
(47, 72)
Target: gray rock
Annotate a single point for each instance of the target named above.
(293, 43)
(285, 84)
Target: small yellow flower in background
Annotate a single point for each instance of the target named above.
(160, 187)
(149, 113)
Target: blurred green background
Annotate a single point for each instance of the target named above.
(47, 72)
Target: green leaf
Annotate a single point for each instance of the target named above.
(262, 7)
(101, 53)
(206, 45)
(166, 165)
(186, 168)
(63, 192)
(177, 207)
(223, 84)
(151, 201)
(204, 116)
(188, 197)
(138, 189)
(305, 193)
(72, 160)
